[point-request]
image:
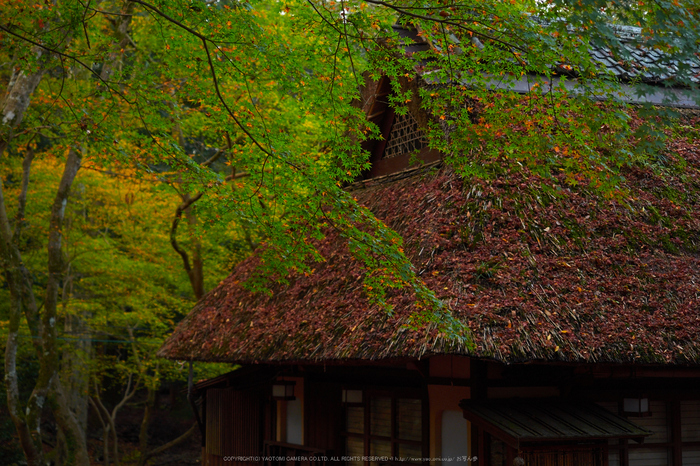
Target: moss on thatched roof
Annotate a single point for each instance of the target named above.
(537, 269)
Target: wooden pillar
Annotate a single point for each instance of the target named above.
(674, 409)
(624, 453)
(481, 447)
(478, 391)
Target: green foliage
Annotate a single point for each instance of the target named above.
(255, 105)
(272, 84)
(121, 272)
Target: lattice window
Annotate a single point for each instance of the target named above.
(405, 137)
(387, 425)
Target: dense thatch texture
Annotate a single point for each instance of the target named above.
(537, 269)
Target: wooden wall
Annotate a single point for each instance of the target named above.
(235, 427)
(323, 414)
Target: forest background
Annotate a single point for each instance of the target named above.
(147, 147)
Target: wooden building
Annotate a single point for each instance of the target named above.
(584, 315)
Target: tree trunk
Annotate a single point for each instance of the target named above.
(197, 271)
(145, 422)
(102, 415)
(75, 367)
(121, 41)
(69, 425)
(22, 300)
(75, 373)
(194, 270)
(16, 101)
(48, 386)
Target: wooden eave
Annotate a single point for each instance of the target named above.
(520, 422)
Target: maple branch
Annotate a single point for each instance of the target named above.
(65, 55)
(105, 12)
(458, 25)
(323, 17)
(447, 47)
(121, 29)
(205, 41)
(122, 176)
(84, 23)
(186, 203)
(34, 128)
(347, 45)
(213, 158)
(235, 176)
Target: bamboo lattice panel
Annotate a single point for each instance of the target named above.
(405, 137)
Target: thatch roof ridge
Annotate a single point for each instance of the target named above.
(539, 270)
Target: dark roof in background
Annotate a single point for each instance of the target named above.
(646, 75)
(641, 63)
(412, 41)
(635, 93)
(633, 61)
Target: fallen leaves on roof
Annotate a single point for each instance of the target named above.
(538, 269)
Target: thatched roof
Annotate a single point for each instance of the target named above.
(539, 270)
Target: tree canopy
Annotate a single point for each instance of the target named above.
(251, 113)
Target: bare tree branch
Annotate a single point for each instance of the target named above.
(103, 416)
(167, 446)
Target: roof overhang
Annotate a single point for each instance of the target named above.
(240, 378)
(535, 421)
(630, 93)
